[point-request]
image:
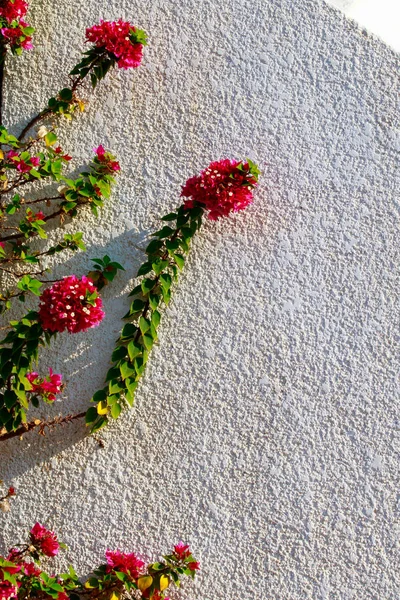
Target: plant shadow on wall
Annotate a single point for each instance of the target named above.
(73, 356)
(223, 187)
(72, 304)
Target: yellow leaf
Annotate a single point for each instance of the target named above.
(1, 154)
(114, 596)
(164, 583)
(88, 586)
(81, 105)
(102, 408)
(144, 582)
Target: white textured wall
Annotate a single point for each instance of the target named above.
(264, 432)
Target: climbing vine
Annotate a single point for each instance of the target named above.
(35, 157)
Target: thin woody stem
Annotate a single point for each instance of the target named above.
(3, 53)
(41, 425)
(33, 122)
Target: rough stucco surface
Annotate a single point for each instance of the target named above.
(265, 431)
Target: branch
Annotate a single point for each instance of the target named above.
(33, 122)
(18, 236)
(37, 423)
(3, 53)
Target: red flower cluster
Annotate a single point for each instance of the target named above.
(126, 563)
(181, 550)
(22, 165)
(13, 9)
(223, 187)
(119, 39)
(31, 217)
(14, 30)
(71, 304)
(59, 151)
(47, 387)
(7, 589)
(106, 160)
(44, 540)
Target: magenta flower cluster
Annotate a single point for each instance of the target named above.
(46, 387)
(225, 186)
(117, 37)
(14, 30)
(44, 540)
(71, 304)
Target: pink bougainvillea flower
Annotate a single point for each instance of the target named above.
(106, 159)
(44, 540)
(13, 9)
(181, 550)
(126, 563)
(100, 151)
(11, 154)
(22, 166)
(31, 217)
(194, 566)
(47, 387)
(8, 591)
(35, 161)
(16, 36)
(225, 186)
(120, 39)
(71, 304)
(31, 570)
(59, 151)
(2, 244)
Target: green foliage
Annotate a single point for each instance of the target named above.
(105, 271)
(165, 256)
(96, 62)
(19, 349)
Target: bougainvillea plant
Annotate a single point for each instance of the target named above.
(224, 187)
(35, 157)
(122, 575)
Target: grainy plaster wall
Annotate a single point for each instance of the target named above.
(265, 431)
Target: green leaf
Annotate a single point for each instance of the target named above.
(148, 341)
(179, 259)
(91, 415)
(126, 370)
(169, 217)
(159, 266)
(137, 306)
(154, 301)
(116, 410)
(99, 395)
(66, 94)
(119, 352)
(166, 281)
(134, 349)
(147, 285)
(155, 318)
(136, 290)
(144, 324)
(154, 247)
(164, 232)
(50, 138)
(144, 269)
(128, 331)
(99, 424)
